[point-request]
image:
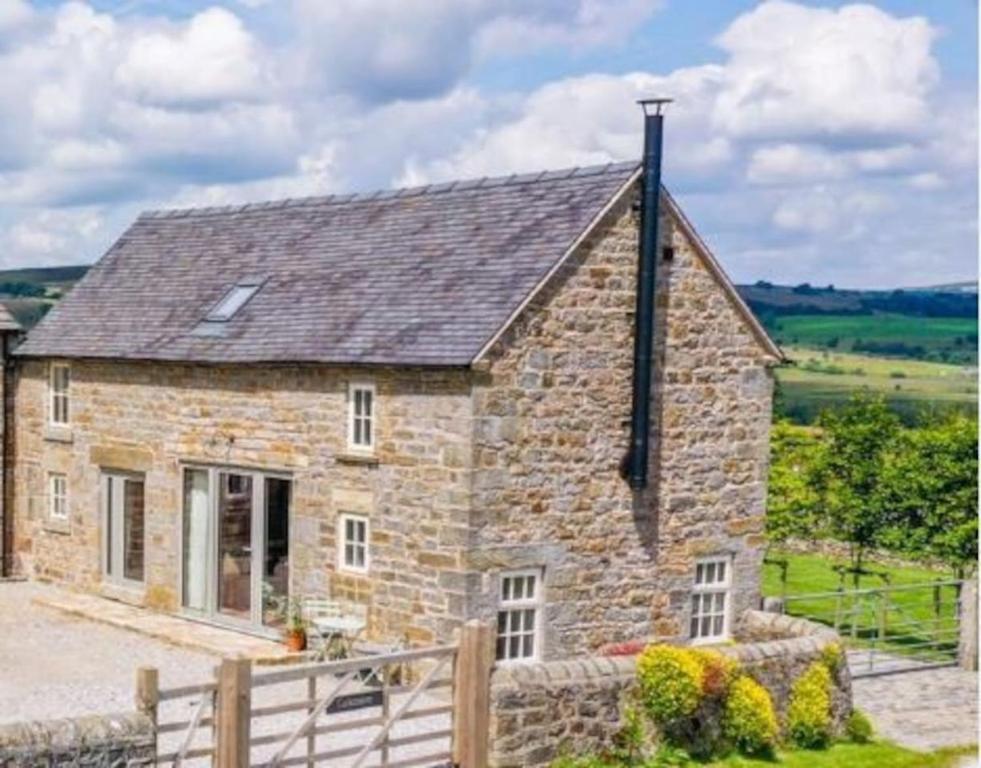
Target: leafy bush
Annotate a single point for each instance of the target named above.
(858, 729)
(749, 721)
(809, 711)
(669, 683)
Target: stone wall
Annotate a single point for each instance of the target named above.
(778, 649)
(90, 742)
(544, 710)
(540, 711)
(152, 419)
(552, 415)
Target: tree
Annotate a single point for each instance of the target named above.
(846, 474)
(791, 501)
(930, 488)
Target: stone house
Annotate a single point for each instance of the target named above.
(417, 400)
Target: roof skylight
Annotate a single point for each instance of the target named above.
(236, 298)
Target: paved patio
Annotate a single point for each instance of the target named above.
(169, 629)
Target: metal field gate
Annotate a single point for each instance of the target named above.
(889, 629)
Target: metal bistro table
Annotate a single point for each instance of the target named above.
(333, 622)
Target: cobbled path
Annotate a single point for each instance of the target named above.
(922, 710)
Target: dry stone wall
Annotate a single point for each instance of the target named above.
(542, 711)
(552, 418)
(111, 741)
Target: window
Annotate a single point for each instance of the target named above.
(353, 543)
(233, 301)
(361, 419)
(57, 497)
(518, 615)
(710, 600)
(58, 390)
(125, 528)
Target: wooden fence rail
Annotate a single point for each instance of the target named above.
(227, 710)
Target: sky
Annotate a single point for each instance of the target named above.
(822, 142)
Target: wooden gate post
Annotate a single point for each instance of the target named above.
(471, 694)
(148, 696)
(967, 646)
(234, 713)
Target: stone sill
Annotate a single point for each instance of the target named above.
(58, 526)
(58, 434)
(130, 594)
(365, 459)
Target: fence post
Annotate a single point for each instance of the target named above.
(148, 696)
(234, 713)
(471, 694)
(967, 646)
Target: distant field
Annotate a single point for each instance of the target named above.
(942, 339)
(821, 379)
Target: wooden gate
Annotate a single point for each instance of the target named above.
(421, 707)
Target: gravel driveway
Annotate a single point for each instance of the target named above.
(52, 665)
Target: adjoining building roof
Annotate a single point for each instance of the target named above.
(422, 276)
(7, 321)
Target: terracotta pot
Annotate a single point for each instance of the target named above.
(295, 639)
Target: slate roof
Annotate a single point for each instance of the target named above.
(421, 276)
(7, 321)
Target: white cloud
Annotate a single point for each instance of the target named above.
(379, 50)
(789, 163)
(13, 15)
(797, 71)
(210, 59)
(803, 151)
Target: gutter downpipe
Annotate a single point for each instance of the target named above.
(640, 421)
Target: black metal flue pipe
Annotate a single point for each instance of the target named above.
(640, 417)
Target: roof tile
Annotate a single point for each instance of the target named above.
(422, 276)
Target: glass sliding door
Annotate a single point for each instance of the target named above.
(276, 551)
(235, 544)
(124, 515)
(197, 538)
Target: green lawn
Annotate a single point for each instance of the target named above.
(856, 756)
(935, 337)
(820, 379)
(920, 619)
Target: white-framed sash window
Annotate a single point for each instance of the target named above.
(57, 497)
(519, 615)
(361, 416)
(352, 543)
(710, 600)
(58, 385)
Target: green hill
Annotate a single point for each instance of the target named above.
(29, 293)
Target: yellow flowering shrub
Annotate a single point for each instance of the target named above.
(669, 682)
(748, 720)
(809, 711)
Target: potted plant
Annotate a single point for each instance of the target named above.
(295, 632)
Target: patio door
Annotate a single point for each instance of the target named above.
(236, 545)
(124, 540)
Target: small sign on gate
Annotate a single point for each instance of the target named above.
(353, 701)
